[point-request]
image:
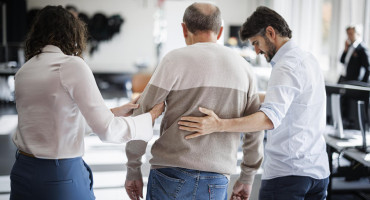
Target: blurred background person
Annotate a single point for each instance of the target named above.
(355, 57)
(73, 10)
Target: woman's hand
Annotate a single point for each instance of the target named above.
(126, 109)
(201, 125)
(156, 111)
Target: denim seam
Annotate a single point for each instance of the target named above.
(212, 187)
(177, 180)
(196, 186)
(201, 177)
(213, 177)
(218, 185)
(179, 188)
(185, 172)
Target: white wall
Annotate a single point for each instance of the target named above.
(234, 12)
(134, 42)
(345, 12)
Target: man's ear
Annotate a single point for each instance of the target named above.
(220, 32)
(184, 30)
(270, 33)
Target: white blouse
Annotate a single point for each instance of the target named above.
(56, 94)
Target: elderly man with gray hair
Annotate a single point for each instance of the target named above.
(188, 78)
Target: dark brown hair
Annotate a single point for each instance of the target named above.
(260, 20)
(54, 25)
(195, 20)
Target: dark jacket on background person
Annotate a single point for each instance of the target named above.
(360, 58)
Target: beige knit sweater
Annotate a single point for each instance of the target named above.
(211, 76)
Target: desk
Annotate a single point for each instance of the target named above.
(348, 150)
(8, 71)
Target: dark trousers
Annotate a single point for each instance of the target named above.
(46, 179)
(294, 188)
(186, 184)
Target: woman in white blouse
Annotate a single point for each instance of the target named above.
(56, 98)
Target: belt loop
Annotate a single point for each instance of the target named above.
(17, 154)
(56, 162)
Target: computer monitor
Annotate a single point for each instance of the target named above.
(336, 113)
(364, 125)
(345, 111)
(234, 32)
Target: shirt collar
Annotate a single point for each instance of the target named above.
(356, 43)
(283, 49)
(51, 49)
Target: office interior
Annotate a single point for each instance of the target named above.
(145, 30)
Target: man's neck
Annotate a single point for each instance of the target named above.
(280, 41)
(200, 37)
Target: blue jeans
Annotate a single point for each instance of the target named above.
(46, 179)
(186, 184)
(294, 188)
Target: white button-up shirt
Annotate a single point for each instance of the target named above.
(295, 102)
(56, 94)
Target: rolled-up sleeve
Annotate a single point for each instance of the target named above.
(284, 85)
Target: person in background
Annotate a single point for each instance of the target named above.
(355, 57)
(296, 164)
(186, 78)
(58, 101)
(73, 10)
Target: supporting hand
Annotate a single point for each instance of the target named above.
(241, 191)
(200, 125)
(126, 109)
(157, 111)
(134, 189)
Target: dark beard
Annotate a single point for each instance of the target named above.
(270, 53)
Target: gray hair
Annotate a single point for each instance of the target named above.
(196, 20)
(358, 28)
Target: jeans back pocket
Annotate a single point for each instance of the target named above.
(217, 192)
(165, 187)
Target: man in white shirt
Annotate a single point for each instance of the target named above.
(293, 112)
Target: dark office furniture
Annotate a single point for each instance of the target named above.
(349, 144)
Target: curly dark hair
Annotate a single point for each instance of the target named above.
(54, 25)
(260, 20)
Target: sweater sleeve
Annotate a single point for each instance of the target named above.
(155, 92)
(78, 80)
(252, 142)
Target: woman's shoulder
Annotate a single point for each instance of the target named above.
(74, 65)
(74, 61)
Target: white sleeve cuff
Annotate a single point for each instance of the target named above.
(143, 127)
